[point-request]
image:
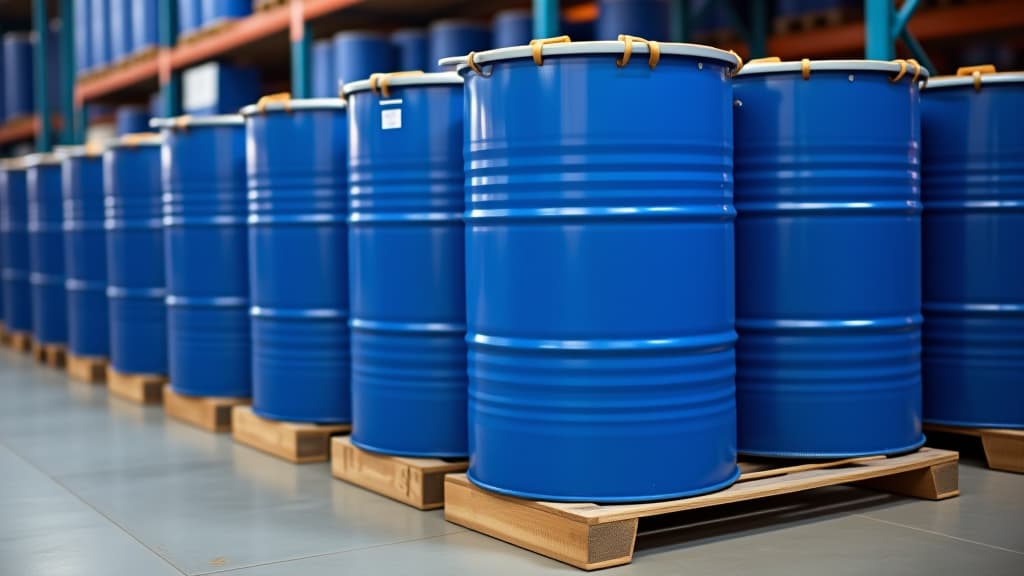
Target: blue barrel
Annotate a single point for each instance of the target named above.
(100, 33)
(207, 258)
(589, 358)
(130, 119)
(120, 29)
(298, 271)
(18, 75)
(406, 265)
(3, 93)
(411, 49)
(512, 28)
(46, 249)
(453, 37)
(135, 255)
(14, 241)
(145, 33)
(85, 253)
(325, 81)
(651, 19)
(190, 16)
(828, 259)
(216, 88)
(214, 11)
(359, 53)
(83, 35)
(973, 191)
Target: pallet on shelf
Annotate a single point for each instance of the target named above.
(211, 413)
(20, 341)
(418, 482)
(52, 355)
(815, 20)
(267, 5)
(147, 53)
(1004, 448)
(92, 369)
(206, 31)
(296, 442)
(592, 536)
(138, 388)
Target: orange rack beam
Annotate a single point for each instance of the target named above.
(24, 128)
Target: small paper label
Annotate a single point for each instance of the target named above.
(391, 119)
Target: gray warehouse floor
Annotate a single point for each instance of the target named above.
(93, 485)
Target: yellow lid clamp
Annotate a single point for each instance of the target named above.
(381, 80)
(805, 68)
(653, 49)
(537, 44)
(282, 97)
(976, 72)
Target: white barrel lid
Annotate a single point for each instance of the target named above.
(402, 81)
(14, 163)
(187, 121)
(292, 105)
(137, 139)
(968, 80)
(796, 67)
(42, 159)
(602, 47)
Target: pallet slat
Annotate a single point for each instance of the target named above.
(52, 355)
(295, 442)
(207, 412)
(1004, 448)
(592, 536)
(138, 388)
(20, 341)
(91, 369)
(418, 482)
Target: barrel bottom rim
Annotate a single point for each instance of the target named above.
(974, 424)
(609, 499)
(302, 420)
(103, 355)
(50, 341)
(198, 393)
(826, 454)
(408, 453)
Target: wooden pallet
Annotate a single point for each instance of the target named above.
(207, 412)
(212, 29)
(20, 341)
(296, 442)
(87, 368)
(138, 388)
(267, 5)
(418, 482)
(52, 355)
(815, 20)
(591, 536)
(1004, 448)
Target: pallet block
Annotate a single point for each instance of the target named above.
(296, 442)
(592, 536)
(207, 412)
(1004, 448)
(138, 388)
(20, 341)
(91, 369)
(418, 482)
(52, 355)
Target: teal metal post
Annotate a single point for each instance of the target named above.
(170, 90)
(302, 66)
(40, 24)
(758, 39)
(903, 16)
(918, 51)
(878, 38)
(545, 18)
(69, 114)
(682, 26)
(900, 30)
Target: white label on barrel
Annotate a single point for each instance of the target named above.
(391, 119)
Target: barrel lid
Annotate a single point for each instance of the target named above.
(400, 79)
(775, 66)
(292, 105)
(975, 76)
(135, 140)
(15, 163)
(89, 149)
(601, 47)
(187, 121)
(42, 159)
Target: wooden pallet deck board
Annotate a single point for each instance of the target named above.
(265, 5)
(207, 412)
(592, 536)
(138, 388)
(20, 341)
(211, 29)
(1004, 448)
(91, 369)
(296, 442)
(418, 482)
(52, 355)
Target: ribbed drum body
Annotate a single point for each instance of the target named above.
(46, 253)
(14, 229)
(100, 33)
(411, 50)
(130, 119)
(325, 79)
(85, 255)
(120, 23)
(83, 35)
(190, 16)
(456, 38)
(828, 256)
(358, 53)
(18, 88)
(144, 24)
(298, 267)
(512, 28)
(649, 19)
(216, 10)
(207, 258)
(135, 259)
(599, 279)
(973, 189)
(406, 261)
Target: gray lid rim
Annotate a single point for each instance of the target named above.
(595, 48)
(940, 82)
(219, 120)
(430, 79)
(796, 66)
(300, 104)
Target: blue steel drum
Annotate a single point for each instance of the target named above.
(973, 190)
(325, 81)
(512, 28)
(406, 280)
(83, 36)
(359, 53)
(46, 249)
(18, 89)
(411, 49)
(100, 33)
(828, 259)
(190, 16)
(145, 33)
(85, 252)
(216, 10)
(135, 255)
(453, 37)
(651, 19)
(120, 22)
(599, 273)
(206, 255)
(14, 241)
(298, 265)
(129, 119)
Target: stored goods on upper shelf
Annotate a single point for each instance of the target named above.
(218, 88)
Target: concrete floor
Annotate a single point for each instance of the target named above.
(93, 485)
